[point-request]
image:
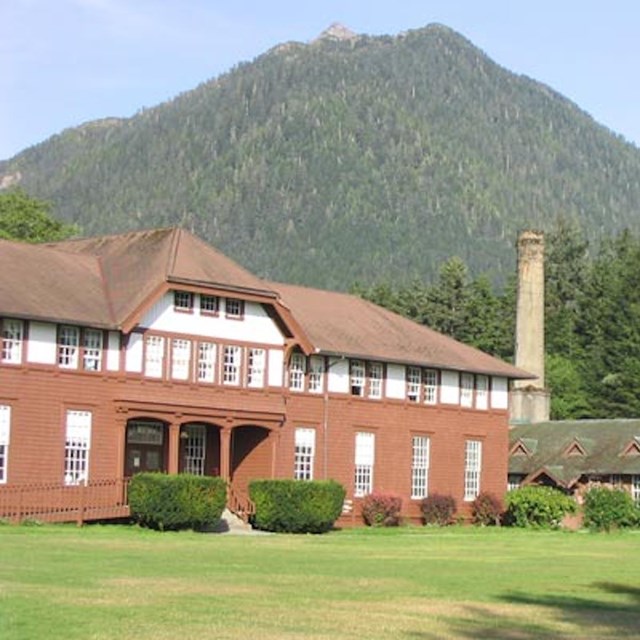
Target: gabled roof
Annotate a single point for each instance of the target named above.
(109, 281)
(605, 447)
(345, 325)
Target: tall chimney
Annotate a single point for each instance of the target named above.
(530, 399)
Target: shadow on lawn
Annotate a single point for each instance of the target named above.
(596, 618)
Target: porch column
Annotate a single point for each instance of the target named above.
(121, 443)
(174, 447)
(225, 453)
(274, 437)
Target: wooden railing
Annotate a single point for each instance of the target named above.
(55, 502)
(240, 504)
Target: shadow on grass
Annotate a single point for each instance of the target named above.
(565, 616)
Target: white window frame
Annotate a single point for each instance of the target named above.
(195, 449)
(316, 374)
(296, 372)
(256, 366)
(414, 381)
(420, 460)
(92, 345)
(207, 355)
(357, 377)
(304, 453)
(482, 392)
(182, 301)
(231, 365)
(5, 437)
(154, 347)
(635, 488)
(365, 445)
(430, 386)
(68, 346)
(466, 389)
(180, 358)
(472, 469)
(77, 447)
(376, 376)
(12, 341)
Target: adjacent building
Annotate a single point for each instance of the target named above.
(151, 351)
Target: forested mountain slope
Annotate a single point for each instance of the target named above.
(351, 159)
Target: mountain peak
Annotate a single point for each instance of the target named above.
(336, 31)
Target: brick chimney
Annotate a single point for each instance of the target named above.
(529, 398)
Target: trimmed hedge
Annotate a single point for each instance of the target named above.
(538, 507)
(173, 502)
(382, 510)
(438, 509)
(296, 506)
(606, 509)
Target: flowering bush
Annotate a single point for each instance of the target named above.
(382, 510)
(438, 509)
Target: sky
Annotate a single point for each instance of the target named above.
(65, 62)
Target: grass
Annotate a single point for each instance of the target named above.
(118, 582)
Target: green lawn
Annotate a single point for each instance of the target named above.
(117, 582)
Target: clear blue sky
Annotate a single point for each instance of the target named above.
(64, 62)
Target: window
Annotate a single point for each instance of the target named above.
(364, 460)
(413, 384)
(154, 357)
(305, 450)
(466, 390)
(180, 358)
(183, 301)
(420, 467)
(357, 377)
(431, 386)
(12, 337)
(68, 341)
(472, 467)
(616, 480)
(234, 308)
(77, 447)
(5, 428)
(194, 449)
(482, 392)
(231, 367)
(209, 304)
(375, 380)
(635, 489)
(206, 362)
(296, 372)
(255, 368)
(513, 481)
(92, 350)
(316, 369)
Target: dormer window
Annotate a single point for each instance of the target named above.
(234, 308)
(183, 301)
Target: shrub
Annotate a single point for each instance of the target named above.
(296, 506)
(438, 509)
(606, 509)
(538, 507)
(382, 510)
(486, 509)
(183, 501)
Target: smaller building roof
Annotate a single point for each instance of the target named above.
(565, 450)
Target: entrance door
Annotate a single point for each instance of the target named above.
(145, 447)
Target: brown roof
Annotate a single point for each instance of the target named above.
(343, 324)
(105, 282)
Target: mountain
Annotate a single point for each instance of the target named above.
(351, 158)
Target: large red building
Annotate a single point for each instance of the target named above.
(151, 351)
